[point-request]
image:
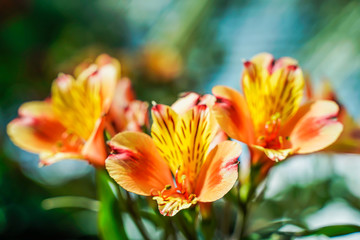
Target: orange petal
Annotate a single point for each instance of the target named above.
(349, 140)
(219, 172)
(313, 127)
(95, 150)
(220, 136)
(136, 165)
(309, 88)
(36, 129)
(231, 112)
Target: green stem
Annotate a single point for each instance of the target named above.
(169, 230)
(110, 222)
(244, 221)
(181, 222)
(238, 226)
(136, 217)
(226, 216)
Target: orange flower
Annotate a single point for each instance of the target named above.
(176, 165)
(70, 124)
(161, 63)
(349, 140)
(269, 117)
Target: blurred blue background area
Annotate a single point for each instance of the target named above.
(167, 47)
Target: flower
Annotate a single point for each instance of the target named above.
(71, 123)
(349, 139)
(162, 64)
(269, 117)
(175, 165)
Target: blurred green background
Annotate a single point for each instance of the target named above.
(167, 47)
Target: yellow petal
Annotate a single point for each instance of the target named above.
(80, 103)
(219, 173)
(184, 140)
(279, 91)
(40, 109)
(195, 132)
(262, 64)
(136, 165)
(77, 104)
(163, 131)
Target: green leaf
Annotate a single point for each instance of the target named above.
(332, 231)
(329, 231)
(110, 222)
(274, 226)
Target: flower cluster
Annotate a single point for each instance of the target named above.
(187, 159)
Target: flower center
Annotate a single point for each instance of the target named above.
(175, 198)
(69, 143)
(270, 135)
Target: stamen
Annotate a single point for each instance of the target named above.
(271, 138)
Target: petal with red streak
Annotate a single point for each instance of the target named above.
(314, 126)
(136, 165)
(231, 112)
(219, 172)
(36, 129)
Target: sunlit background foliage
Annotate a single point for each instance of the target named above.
(168, 47)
